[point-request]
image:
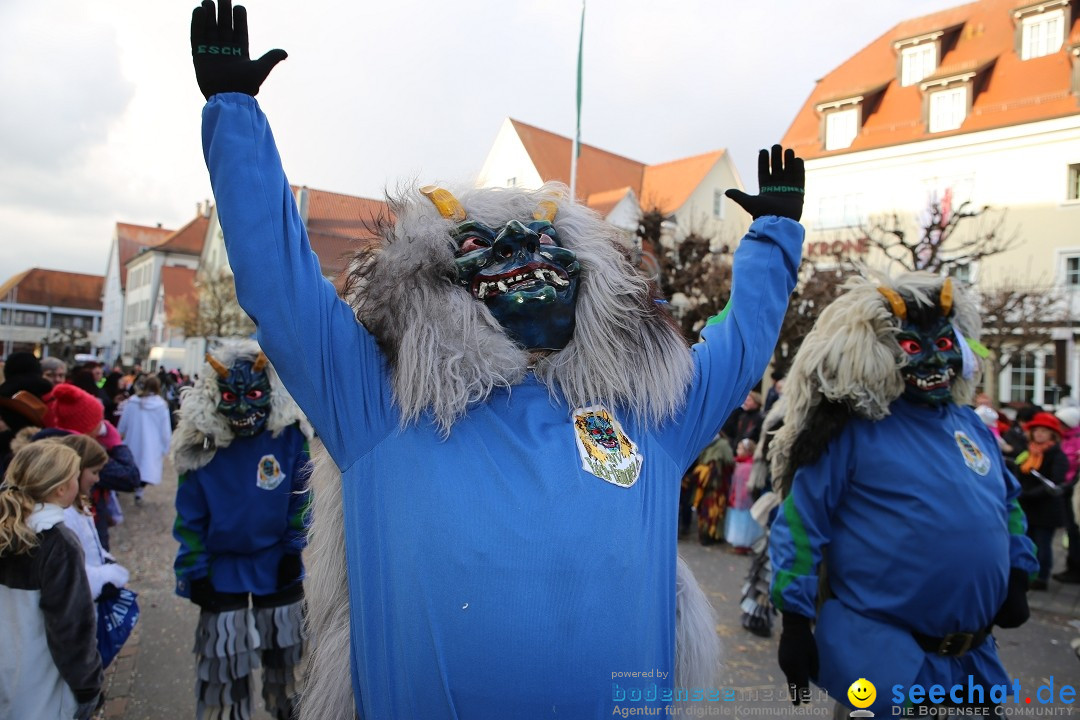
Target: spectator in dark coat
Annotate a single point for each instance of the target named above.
(1041, 470)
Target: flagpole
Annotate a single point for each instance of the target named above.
(576, 148)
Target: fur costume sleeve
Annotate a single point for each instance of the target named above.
(192, 519)
(299, 504)
(736, 345)
(803, 528)
(306, 330)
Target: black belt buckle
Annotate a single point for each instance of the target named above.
(955, 644)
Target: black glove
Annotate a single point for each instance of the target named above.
(288, 570)
(781, 189)
(219, 49)
(1014, 611)
(108, 592)
(203, 594)
(798, 656)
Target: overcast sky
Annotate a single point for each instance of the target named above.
(101, 113)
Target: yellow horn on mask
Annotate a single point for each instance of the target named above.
(260, 362)
(445, 202)
(216, 364)
(546, 211)
(896, 303)
(946, 296)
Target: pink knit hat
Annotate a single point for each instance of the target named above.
(72, 408)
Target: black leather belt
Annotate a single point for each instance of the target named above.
(953, 644)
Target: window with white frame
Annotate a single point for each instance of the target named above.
(841, 127)
(1071, 275)
(511, 182)
(917, 62)
(1022, 378)
(947, 109)
(839, 211)
(718, 204)
(1042, 34)
(962, 272)
(1073, 191)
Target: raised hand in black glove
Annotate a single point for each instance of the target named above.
(288, 570)
(780, 187)
(219, 49)
(1014, 611)
(798, 656)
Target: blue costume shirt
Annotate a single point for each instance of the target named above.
(919, 521)
(509, 569)
(238, 514)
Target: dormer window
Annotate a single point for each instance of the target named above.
(1040, 28)
(948, 95)
(919, 55)
(948, 108)
(841, 127)
(1042, 34)
(917, 62)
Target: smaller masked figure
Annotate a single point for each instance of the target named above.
(899, 519)
(240, 449)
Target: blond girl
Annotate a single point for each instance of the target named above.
(102, 570)
(50, 666)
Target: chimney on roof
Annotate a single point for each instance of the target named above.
(202, 209)
(159, 226)
(302, 201)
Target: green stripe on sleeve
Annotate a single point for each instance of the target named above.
(1016, 518)
(804, 557)
(720, 316)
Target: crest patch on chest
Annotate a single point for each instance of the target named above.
(605, 450)
(974, 458)
(270, 474)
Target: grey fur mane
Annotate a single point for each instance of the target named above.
(448, 352)
(201, 430)
(849, 363)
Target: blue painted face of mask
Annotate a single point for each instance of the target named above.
(524, 276)
(934, 361)
(245, 399)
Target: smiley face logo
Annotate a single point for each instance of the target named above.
(862, 693)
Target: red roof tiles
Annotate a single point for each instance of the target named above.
(188, 240)
(130, 239)
(54, 288)
(178, 287)
(978, 37)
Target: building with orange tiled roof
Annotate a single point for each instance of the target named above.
(978, 103)
(182, 249)
(50, 312)
(338, 226)
(176, 296)
(128, 241)
(689, 191)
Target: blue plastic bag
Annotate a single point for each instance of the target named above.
(116, 619)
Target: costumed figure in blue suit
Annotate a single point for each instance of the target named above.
(242, 514)
(900, 533)
(504, 412)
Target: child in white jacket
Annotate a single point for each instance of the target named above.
(50, 667)
(102, 569)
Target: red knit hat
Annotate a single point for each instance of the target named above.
(1045, 420)
(72, 408)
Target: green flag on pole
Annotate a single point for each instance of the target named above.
(576, 152)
